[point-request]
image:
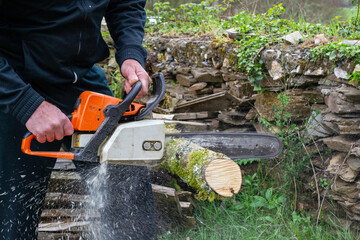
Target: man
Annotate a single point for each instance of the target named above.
(47, 54)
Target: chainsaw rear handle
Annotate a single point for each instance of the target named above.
(111, 111)
(157, 94)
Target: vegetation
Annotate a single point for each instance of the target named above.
(269, 204)
(255, 31)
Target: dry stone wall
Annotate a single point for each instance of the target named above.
(204, 84)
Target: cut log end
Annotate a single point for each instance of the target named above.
(223, 176)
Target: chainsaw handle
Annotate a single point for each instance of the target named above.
(157, 94)
(25, 148)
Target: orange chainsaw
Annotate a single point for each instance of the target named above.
(108, 129)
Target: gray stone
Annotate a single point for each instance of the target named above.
(341, 143)
(183, 70)
(320, 39)
(317, 127)
(344, 125)
(336, 103)
(185, 80)
(208, 90)
(354, 163)
(319, 71)
(351, 42)
(276, 71)
(357, 68)
(208, 75)
(198, 86)
(294, 38)
(339, 166)
(240, 89)
(340, 73)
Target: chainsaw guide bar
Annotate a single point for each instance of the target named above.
(235, 145)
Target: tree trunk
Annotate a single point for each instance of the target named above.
(212, 174)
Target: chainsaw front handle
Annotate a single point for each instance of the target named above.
(113, 114)
(157, 94)
(25, 148)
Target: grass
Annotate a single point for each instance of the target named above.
(258, 213)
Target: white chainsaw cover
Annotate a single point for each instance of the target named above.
(136, 143)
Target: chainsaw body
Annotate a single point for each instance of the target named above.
(106, 127)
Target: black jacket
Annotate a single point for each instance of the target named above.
(57, 41)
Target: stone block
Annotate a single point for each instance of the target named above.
(341, 143)
(197, 86)
(349, 126)
(208, 75)
(185, 80)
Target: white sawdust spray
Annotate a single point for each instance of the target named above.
(96, 183)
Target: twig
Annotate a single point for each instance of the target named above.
(295, 202)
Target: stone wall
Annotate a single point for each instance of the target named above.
(204, 84)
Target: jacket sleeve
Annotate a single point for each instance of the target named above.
(126, 20)
(16, 97)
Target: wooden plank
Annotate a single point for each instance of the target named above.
(64, 200)
(70, 213)
(61, 226)
(63, 236)
(213, 102)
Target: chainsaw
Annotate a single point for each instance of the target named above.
(108, 129)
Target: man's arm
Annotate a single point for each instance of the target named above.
(126, 21)
(27, 106)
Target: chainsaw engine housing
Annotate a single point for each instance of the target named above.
(138, 143)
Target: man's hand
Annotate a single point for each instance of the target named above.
(48, 123)
(133, 72)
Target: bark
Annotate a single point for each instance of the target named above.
(212, 174)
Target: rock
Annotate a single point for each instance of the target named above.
(340, 73)
(185, 80)
(269, 84)
(232, 117)
(343, 125)
(240, 88)
(357, 68)
(197, 86)
(343, 99)
(354, 163)
(337, 105)
(341, 143)
(226, 63)
(318, 71)
(313, 96)
(345, 189)
(183, 70)
(351, 42)
(208, 75)
(213, 102)
(276, 71)
(228, 77)
(233, 34)
(317, 127)
(339, 166)
(293, 38)
(208, 90)
(302, 81)
(320, 39)
(297, 106)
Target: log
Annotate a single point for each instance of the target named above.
(213, 175)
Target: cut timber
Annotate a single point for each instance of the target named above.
(223, 176)
(212, 174)
(213, 102)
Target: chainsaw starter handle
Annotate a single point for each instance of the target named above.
(157, 94)
(112, 113)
